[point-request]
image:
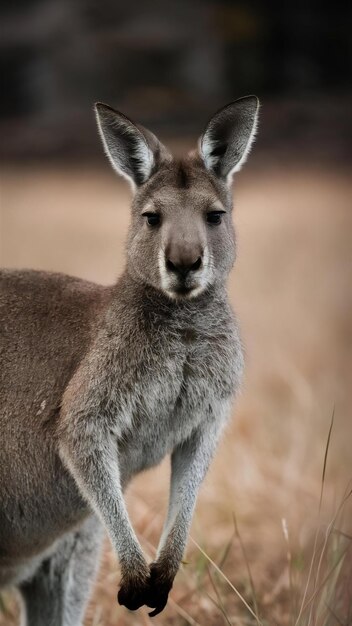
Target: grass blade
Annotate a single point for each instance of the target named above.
(219, 604)
(310, 572)
(239, 595)
(250, 577)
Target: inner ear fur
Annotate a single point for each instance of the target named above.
(133, 151)
(228, 137)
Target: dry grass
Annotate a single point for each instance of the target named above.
(292, 290)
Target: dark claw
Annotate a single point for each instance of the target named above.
(159, 587)
(132, 596)
(158, 609)
(153, 591)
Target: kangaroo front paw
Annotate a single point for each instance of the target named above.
(160, 583)
(133, 594)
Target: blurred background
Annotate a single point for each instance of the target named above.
(170, 65)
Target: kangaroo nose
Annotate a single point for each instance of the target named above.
(183, 264)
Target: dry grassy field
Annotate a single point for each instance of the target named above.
(258, 536)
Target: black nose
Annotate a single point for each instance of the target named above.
(183, 267)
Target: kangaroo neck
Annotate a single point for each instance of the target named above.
(132, 296)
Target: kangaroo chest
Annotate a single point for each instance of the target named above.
(173, 395)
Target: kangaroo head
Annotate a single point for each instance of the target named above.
(181, 239)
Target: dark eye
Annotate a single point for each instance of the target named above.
(153, 219)
(214, 217)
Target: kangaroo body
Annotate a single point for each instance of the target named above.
(181, 366)
(99, 383)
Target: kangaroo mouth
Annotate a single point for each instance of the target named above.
(184, 291)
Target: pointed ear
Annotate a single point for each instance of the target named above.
(227, 139)
(133, 151)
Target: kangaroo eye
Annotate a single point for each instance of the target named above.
(153, 219)
(214, 217)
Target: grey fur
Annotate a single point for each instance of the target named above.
(100, 383)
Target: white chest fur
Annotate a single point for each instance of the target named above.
(171, 402)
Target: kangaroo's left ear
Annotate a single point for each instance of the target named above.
(133, 151)
(227, 139)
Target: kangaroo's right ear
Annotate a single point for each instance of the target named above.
(133, 151)
(227, 139)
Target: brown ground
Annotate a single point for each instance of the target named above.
(292, 290)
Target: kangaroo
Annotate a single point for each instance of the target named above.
(100, 383)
